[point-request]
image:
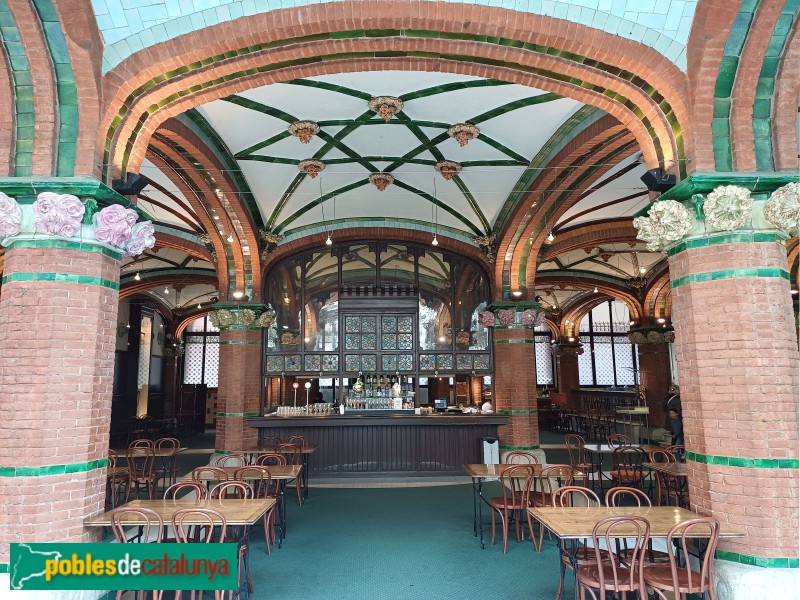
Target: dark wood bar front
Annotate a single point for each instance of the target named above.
(367, 443)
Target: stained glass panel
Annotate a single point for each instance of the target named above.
(292, 362)
(369, 341)
(351, 324)
(405, 341)
(481, 361)
(388, 341)
(368, 325)
(330, 362)
(274, 364)
(444, 361)
(368, 362)
(389, 362)
(464, 362)
(313, 363)
(352, 362)
(406, 362)
(388, 324)
(405, 324)
(427, 362)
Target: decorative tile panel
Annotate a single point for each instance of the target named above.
(405, 324)
(405, 341)
(352, 324)
(352, 341)
(405, 362)
(389, 362)
(464, 362)
(444, 361)
(388, 342)
(368, 362)
(274, 364)
(368, 325)
(313, 362)
(481, 362)
(427, 362)
(292, 362)
(388, 324)
(330, 362)
(352, 362)
(369, 341)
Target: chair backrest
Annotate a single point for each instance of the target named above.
(140, 461)
(258, 477)
(576, 446)
(141, 443)
(113, 458)
(661, 456)
(516, 483)
(270, 441)
(550, 479)
(684, 531)
(270, 458)
(617, 496)
(617, 440)
(152, 527)
(676, 450)
(520, 457)
(176, 491)
(628, 458)
(168, 442)
(233, 489)
(293, 452)
(605, 534)
(297, 439)
(231, 460)
(566, 495)
(203, 530)
(211, 474)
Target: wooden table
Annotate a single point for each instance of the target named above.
(597, 453)
(676, 469)
(306, 452)
(282, 473)
(578, 523)
(673, 480)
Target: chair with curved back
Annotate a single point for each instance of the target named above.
(683, 580)
(150, 528)
(298, 440)
(545, 485)
(200, 526)
(269, 441)
(141, 471)
(176, 491)
(167, 466)
(270, 458)
(581, 552)
(142, 443)
(294, 456)
(209, 476)
(578, 458)
(677, 450)
(260, 479)
(116, 479)
(627, 467)
(231, 460)
(515, 482)
(628, 496)
(232, 489)
(617, 440)
(611, 574)
(664, 457)
(520, 457)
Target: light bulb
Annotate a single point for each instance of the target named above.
(230, 238)
(434, 242)
(216, 217)
(550, 237)
(137, 277)
(166, 290)
(661, 320)
(237, 294)
(515, 293)
(329, 241)
(572, 339)
(642, 270)
(442, 338)
(199, 305)
(595, 289)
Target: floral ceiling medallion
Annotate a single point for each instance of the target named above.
(304, 130)
(381, 180)
(783, 208)
(668, 222)
(312, 166)
(463, 133)
(386, 106)
(728, 207)
(447, 168)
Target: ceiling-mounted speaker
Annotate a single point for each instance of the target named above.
(131, 185)
(657, 180)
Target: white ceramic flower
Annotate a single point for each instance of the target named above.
(783, 208)
(728, 207)
(668, 222)
(143, 237)
(114, 224)
(247, 317)
(225, 318)
(58, 214)
(10, 216)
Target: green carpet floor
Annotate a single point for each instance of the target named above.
(397, 544)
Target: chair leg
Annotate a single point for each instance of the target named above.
(561, 580)
(493, 530)
(505, 523)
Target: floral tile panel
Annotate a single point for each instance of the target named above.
(444, 361)
(368, 325)
(352, 341)
(388, 324)
(368, 362)
(405, 341)
(313, 362)
(388, 341)
(330, 362)
(464, 362)
(352, 362)
(481, 362)
(427, 362)
(352, 324)
(274, 364)
(369, 341)
(405, 324)
(389, 362)
(292, 362)
(405, 362)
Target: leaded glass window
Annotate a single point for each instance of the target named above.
(201, 353)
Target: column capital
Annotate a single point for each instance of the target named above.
(512, 315)
(708, 209)
(242, 316)
(643, 336)
(566, 348)
(103, 221)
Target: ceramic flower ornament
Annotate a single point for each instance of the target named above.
(10, 216)
(668, 222)
(728, 207)
(783, 208)
(58, 214)
(114, 225)
(142, 238)
(487, 318)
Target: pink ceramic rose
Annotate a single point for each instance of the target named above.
(10, 216)
(114, 224)
(58, 214)
(506, 316)
(142, 238)
(487, 318)
(528, 317)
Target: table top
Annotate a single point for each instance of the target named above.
(606, 449)
(117, 471)
(157, 452)
(276, 471)
(307, 449)
(482, 471)
(235, 511)
(577, 523)
(677, 469)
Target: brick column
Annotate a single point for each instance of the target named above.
(515, 376)
(240, 379)
(655, 379)
(738, 367)
(58, 322)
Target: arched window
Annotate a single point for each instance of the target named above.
(201, 358)
(542, 337)
(608, 359)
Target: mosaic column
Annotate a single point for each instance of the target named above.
(58, 321)
(240, 380)
(737, 357)
(655, 378)
(515, 373)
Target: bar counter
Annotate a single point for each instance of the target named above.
(358, 442)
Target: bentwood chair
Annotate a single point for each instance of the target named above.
(627, 467)
(575, 552)
(142, 443)
(579, 460)
(209, 527)
(294, 456)
(150, 531)
(663, 457)
(628, 496)
(297, 439)
(270, 441)
(141, 472)
(515, 482)
(520, 457)
(683, 580)
(618, 440)
(260, 479)
(209, 476)
(609, 573)
(185, 489)
(545, 485)
(231, 460)
(167, 466)
(116, 480)
(227, 490)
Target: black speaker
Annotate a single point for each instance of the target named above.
(657, 180)
(131, 185)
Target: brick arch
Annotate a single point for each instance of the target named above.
(8, 119)
(276, 26)
(181, 325)
(146, 283)
(591, 235)
(173, 242)
(655, 298)
(784, 116)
